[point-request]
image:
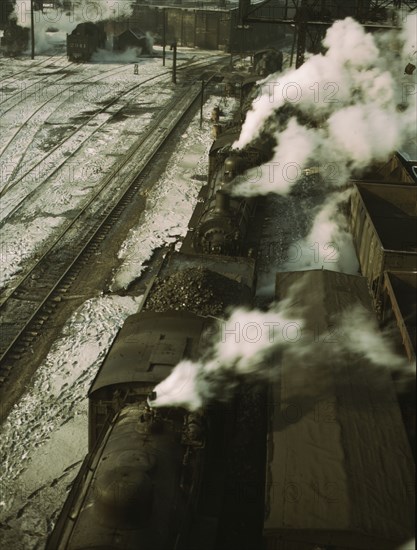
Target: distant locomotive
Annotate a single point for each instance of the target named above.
(267, 62)
(84, 40)
(6, 9)
(15, 39)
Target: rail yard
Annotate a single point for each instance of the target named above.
(208, 293)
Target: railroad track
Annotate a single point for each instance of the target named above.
(27, 307)
(26, 124)
(6, 84)
(35, 65)
(8, 211)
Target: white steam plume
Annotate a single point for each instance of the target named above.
(361, 335)
(245, 341)
(43, 22)
(106, 56)
(350, 94)
(329, 244)
(248, 346)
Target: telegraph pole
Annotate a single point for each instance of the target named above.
(164, 35)
(174, 64)
(202, 102)
(32, 29)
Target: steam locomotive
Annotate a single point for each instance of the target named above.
(167, 478)
(15, 39)
(154, 478)
(84, 40)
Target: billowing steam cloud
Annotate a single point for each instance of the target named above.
(329, 244)
(244, 342)
(64, 22)
(248, 344)
(351, 94)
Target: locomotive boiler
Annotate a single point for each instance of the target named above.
(155, 478)
(221, 221)
(143, 475)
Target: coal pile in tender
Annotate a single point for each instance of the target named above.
(198, 290)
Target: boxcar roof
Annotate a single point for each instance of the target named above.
(340, 469)
(393, 211)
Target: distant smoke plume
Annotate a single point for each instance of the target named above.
(64, 22)
(351, 95)
(107, 56)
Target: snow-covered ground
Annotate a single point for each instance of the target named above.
(44, 438)
(48, 157)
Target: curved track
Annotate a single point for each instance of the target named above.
(32, 65)
(26, 307)
(37, 82)
(13, 183)
(88, 80)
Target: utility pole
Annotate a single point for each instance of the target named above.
(201, 102)
(32, 29)
(164, 37)
(174, 63)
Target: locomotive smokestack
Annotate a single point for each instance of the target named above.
(151, 397)
(222, 201)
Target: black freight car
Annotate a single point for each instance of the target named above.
(384, 229)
